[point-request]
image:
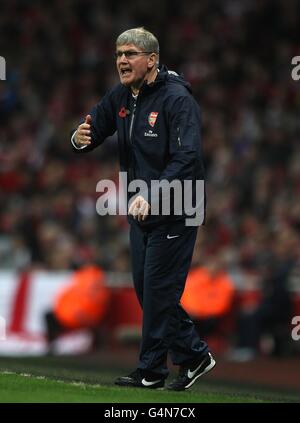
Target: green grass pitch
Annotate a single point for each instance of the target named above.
(77, 380)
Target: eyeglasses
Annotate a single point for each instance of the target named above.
(130, 54)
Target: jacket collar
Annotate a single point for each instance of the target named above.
(160, 79)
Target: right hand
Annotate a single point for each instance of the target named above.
(83, 133)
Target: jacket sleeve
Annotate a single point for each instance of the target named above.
(184, 140)
(103, 124)
(184, 151)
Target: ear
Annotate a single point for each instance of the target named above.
(152, 59)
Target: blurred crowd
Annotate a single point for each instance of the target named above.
(237, 56)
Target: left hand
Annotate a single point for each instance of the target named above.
(139, 208)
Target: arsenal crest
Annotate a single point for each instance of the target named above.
(152, 118)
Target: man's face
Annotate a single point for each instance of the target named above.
(132, 67)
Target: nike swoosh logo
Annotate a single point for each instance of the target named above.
(192, 374)
(146, 383)
(174, 236)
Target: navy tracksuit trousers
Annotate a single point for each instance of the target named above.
(161, 259)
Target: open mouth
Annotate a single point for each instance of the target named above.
(125, 72)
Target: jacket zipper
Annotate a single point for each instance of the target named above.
(131, 172)
(132, 120)
(178, 136)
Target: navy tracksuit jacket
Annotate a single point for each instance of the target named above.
(158, 138)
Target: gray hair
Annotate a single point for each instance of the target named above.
(141, 38)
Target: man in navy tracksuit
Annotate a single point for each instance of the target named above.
(158, 126)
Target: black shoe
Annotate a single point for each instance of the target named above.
(188, 374)
(141, 379)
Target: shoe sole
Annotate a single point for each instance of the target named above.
(206, 370)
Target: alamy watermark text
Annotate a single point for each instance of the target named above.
(177, 198)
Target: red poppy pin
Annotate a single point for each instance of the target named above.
(152, 118)
(123, 112)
